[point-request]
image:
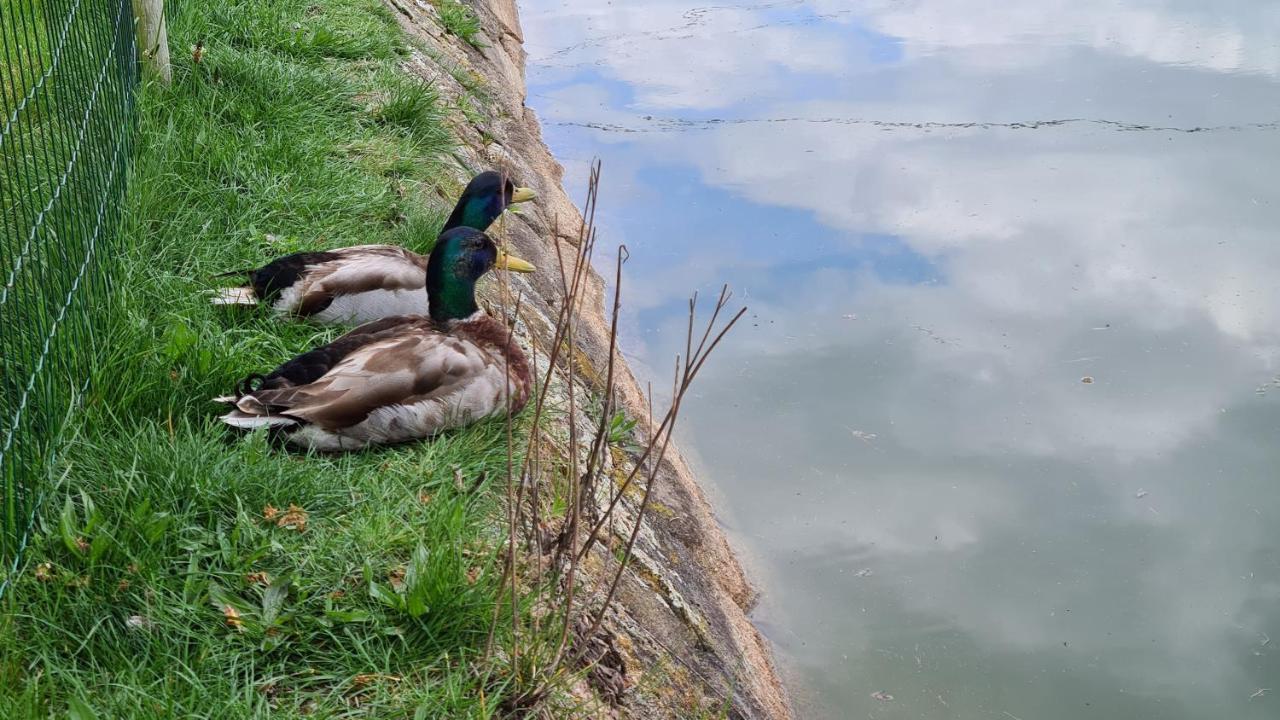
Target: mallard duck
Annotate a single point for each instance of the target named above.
(398, 378)
(365, 282)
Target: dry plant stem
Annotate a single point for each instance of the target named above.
(535, 523)
(583, 477)
(684, 376)
(570, 533)
(595, 461)
(572, 294)
(585, 246)
(692, 365)
(511, 497)
(509, 566)
(575, 499)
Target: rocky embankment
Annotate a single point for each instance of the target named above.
(678, 642)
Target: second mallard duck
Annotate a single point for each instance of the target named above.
(399, 378)
(365, 282)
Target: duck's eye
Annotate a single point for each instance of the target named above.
(482, 260)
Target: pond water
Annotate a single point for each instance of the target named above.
(1000, 430)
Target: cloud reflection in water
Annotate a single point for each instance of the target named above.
(901, 434)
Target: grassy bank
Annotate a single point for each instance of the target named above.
(176, 571)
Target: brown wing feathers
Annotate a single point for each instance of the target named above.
(358, 270)
(394, 371)
(312, 365)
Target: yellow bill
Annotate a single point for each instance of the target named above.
(513, 263)
(523, 194)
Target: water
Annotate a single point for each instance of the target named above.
(1001, 429)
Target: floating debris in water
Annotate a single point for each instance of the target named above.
(864, 572)
(882, 696)
(1141, 494)
(1087, 379)
(1262, 692)
(865, 437)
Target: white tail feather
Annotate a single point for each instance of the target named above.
(235, 296)
(235, 418)
(226, 399)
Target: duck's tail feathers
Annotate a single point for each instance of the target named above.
(248, 421)
(235, 296)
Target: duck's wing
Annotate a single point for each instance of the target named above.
(313, 364)
(356, 270)
(406, 369)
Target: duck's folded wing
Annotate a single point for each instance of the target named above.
(401, 370)
(362, 269)
(313, 364)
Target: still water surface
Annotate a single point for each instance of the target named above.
(1001, 431)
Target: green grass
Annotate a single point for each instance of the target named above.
(458, 19)
(158, 583)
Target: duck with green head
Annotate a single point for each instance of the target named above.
(365, 282)
(398, 378)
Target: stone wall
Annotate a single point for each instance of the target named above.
(679, 641)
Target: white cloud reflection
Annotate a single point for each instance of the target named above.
(997, 503)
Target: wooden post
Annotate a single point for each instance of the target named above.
(153, 39)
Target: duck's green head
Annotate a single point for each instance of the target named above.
(460, 258)
(486, 196)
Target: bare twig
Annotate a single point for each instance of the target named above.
(685, 374)
(584, 519)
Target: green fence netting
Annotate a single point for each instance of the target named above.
(67, 90)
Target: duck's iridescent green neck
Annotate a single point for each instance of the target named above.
(474, 211)
(451, 289)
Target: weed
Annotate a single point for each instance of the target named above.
(458, 19)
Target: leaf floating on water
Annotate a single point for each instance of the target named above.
(1087, 379)
(882, 696)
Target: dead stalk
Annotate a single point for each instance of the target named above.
(583, 477)
(684, 376)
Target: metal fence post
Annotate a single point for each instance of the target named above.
(153, 39)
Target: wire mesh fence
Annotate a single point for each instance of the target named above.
(67, 90)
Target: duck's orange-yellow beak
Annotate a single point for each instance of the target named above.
(513, 263)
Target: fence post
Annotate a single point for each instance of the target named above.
(153, 38)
